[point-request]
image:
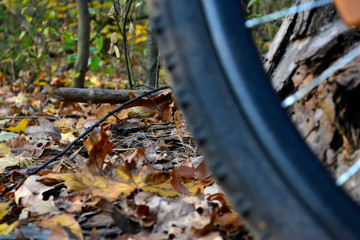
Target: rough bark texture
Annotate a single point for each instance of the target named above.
(94, 95)
(151, 60)
(83, 43)
(329, 116)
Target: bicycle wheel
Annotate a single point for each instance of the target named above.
(268, 172)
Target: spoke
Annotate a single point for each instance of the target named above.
(322, 77)
(289, 11)
(348, 174)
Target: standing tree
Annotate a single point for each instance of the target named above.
(83, 43)
(152, 59)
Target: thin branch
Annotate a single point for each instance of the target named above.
(126, 50)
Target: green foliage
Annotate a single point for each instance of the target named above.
(40, 36)
(264, 34)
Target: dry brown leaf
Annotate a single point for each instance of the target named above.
(98, 146)
(45, 130)
(177, 118)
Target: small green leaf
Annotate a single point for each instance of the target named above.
(5, 136)
(95, 63)
(47, 32)
(52, 14)
(252, 2)
(99, 43)
(23, 10)
(72, 57)
(68, 38)
(92, 11)
(110, 70)
(26, 42)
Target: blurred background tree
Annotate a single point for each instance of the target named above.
(39, 42)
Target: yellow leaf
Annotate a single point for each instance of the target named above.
(4, 149)
(3, 209)
(64, 220)
(6, 229)
(20, 127)
(87, 183)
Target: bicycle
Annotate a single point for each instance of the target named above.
(271, 177)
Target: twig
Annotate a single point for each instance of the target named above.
(48, 118)
(123, 34)
(94, 126)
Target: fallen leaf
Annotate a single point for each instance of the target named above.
(86, 182)
(4, 227)
(63, 220)
(18, 128)
(30, 191)
(5, 136)
(4, 149)
(20, 98)
(39, 207)
(177, 118)
(98, 146)
(10, 160)
(45, 130)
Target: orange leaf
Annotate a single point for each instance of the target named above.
(99, 146)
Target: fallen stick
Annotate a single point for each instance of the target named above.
(90, 95)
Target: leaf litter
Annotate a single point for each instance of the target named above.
(138, 175)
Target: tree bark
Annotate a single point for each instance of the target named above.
(329, 116)
(90, 95)
(151, 60)
(83, 43)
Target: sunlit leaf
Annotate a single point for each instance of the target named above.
(64, 220)
(6, 229)
(47, 32)
(117, 52)
(4, 149)
(20, 127)
(114, 38)
(111, 12)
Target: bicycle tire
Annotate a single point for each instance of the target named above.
(269, 174)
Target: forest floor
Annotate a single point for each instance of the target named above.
(138, 175)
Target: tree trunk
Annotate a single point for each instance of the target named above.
(151, 60)
(329, 116)
(83, 43)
